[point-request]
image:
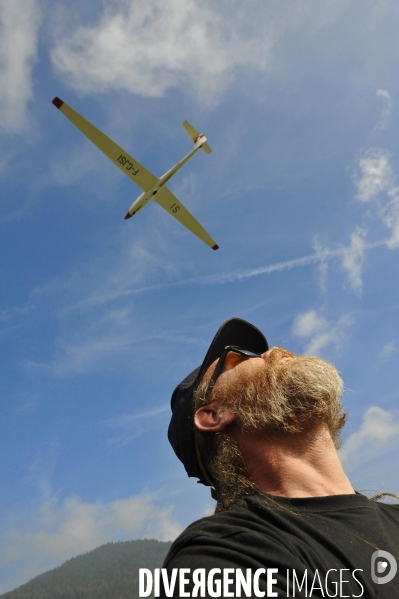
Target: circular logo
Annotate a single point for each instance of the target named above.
(383, 567)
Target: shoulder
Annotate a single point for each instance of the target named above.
(390, 510)
(209, 532)
(217, 526)
(223, 536)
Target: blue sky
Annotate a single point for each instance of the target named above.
(100, 317)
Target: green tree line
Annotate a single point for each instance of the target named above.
(108, 572)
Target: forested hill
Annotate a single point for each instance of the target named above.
(108, 572)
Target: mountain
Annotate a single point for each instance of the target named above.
(108, 572)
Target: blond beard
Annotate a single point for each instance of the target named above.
(283, 397)
(293, 396)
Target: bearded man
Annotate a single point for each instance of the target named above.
(262, 427)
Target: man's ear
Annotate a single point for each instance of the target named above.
(210, 419)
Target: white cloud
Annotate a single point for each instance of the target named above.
(213, 279)
(103, 339)
(378, 427)
(353, 258)
(103, 330)
(42, 467)
(130, 426)
(88, 350)
(387, 351)
(324, 254)
(63, 530)
(387, 104)
(309, 322)
(391, 216)
(149, 46)
(376, 174)
(19, 23)
(322, 332)
(376, 182)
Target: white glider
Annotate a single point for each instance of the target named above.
(153, 188)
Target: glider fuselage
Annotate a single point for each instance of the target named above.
(148, 195)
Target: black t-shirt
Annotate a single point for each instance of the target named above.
(307, 547)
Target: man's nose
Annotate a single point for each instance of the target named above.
(266, 354)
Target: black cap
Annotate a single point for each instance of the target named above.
(233, 331)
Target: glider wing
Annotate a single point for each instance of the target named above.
(128, 165)
(171, 204)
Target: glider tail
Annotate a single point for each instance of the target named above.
(195, 136)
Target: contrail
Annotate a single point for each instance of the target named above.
(320, 255)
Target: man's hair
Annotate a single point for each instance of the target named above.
(292, 398)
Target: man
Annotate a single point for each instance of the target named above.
(261, 427)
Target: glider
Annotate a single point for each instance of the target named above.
(152, 187)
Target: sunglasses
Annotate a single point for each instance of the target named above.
(224, 360)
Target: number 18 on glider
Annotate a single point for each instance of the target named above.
(152, 187)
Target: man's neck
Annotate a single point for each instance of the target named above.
(295, 465)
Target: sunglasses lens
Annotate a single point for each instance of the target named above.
(232, 359)
(229, 358)
(235, 356)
